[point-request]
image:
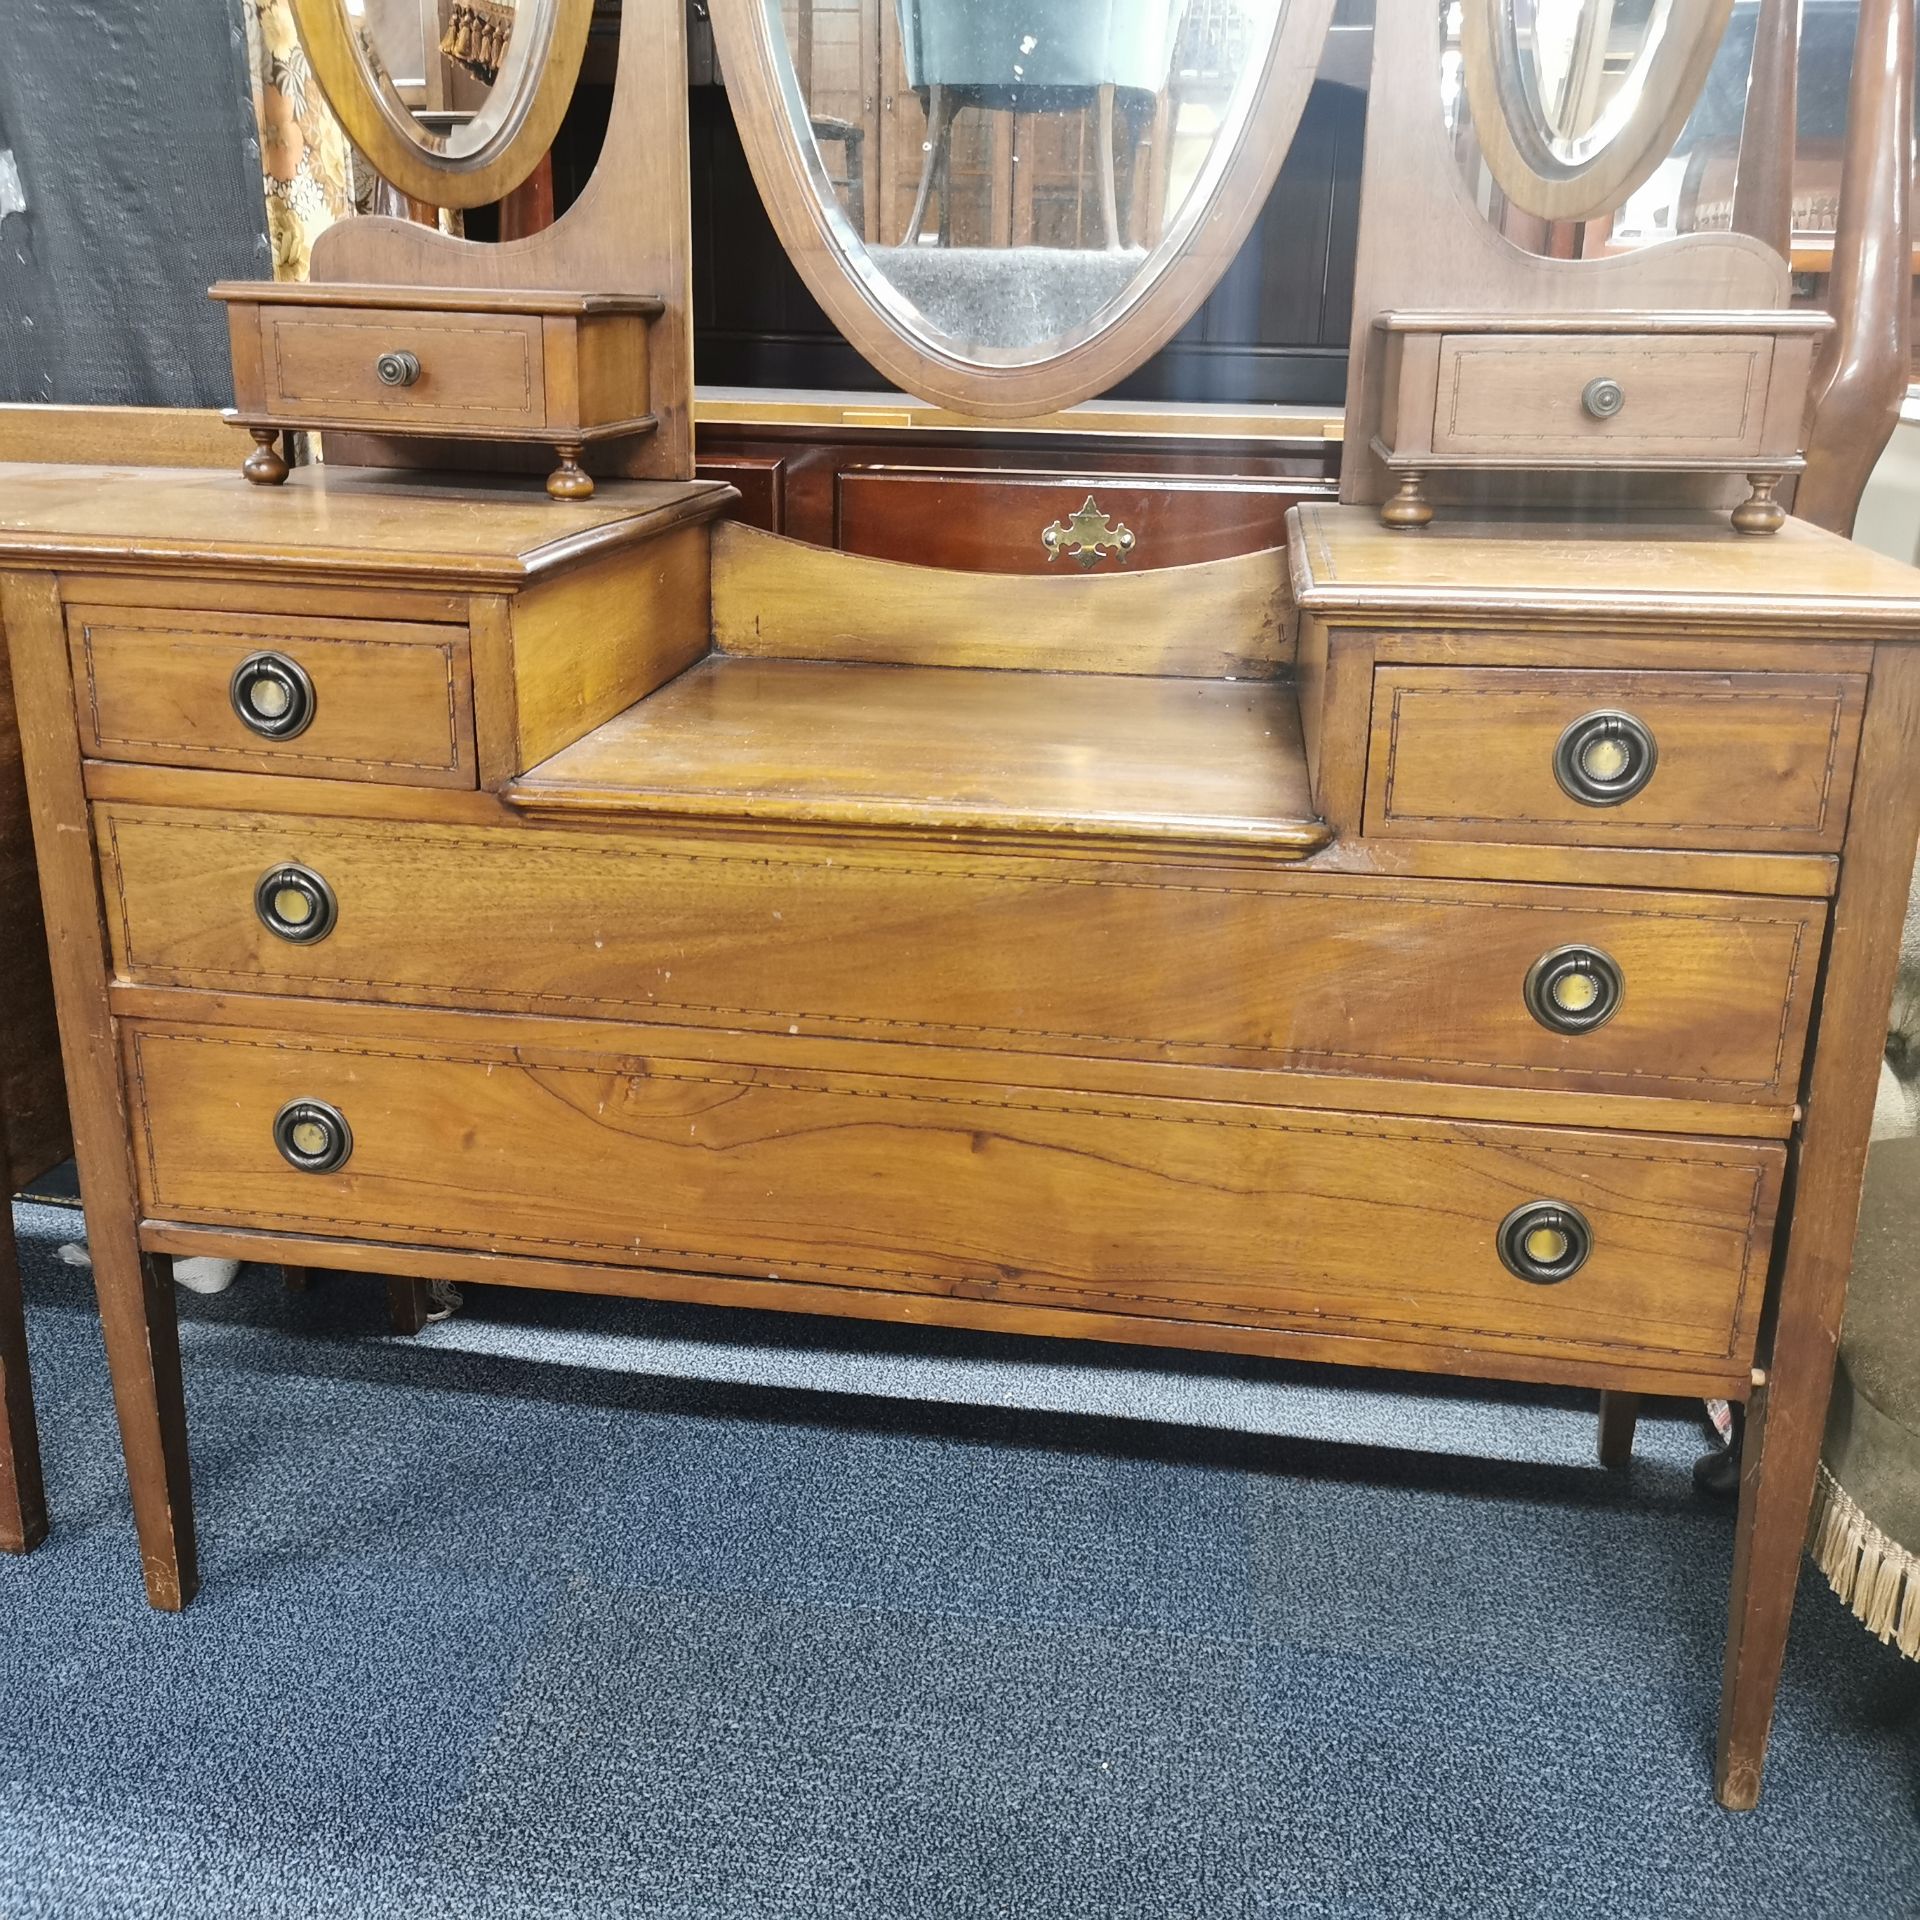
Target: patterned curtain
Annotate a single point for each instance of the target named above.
(306, 162)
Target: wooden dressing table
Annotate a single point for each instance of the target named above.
(690, 943)
(1463, 951)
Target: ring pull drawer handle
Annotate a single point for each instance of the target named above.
(1604, 758)
(295, 903)
(1603, 398)
(1574, 989)
(398, 369)
(272, 695)
(312, 1136)
(1544, 1242)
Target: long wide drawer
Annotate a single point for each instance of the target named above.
(1181, 1210)
(1188, 964)
(1758, 761)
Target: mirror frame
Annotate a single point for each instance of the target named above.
(1176, 276)
(504, 141)
(1668, 80)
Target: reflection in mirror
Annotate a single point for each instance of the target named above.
(1001, 170)
(1561, 111)
(438, 59)
(454, 102)
(441, 57)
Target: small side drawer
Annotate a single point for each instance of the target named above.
(351, 699)
(1544, 396)
(480, 370)
(1745, 761)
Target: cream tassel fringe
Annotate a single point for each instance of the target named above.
(1874, 1575)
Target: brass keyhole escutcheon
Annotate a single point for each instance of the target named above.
(1087, 536)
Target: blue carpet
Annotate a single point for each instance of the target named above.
(584, 1608)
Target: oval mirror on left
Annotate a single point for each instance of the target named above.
(452, 101)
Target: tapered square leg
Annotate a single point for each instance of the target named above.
(1619, 1415)
(23, 1500)
(143, 1350)
(136, 1293)
(407, 1305)
(1786, 1413)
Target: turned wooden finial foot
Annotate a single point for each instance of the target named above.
(264, 466)
(569, 480)
(1410, 507)
(1760, 512)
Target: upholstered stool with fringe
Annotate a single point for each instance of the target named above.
(1866, 1519)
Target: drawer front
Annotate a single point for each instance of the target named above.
(1197, 965)
(1738, 760)
(475, 370)
(1524, 396)
(1182, 1210)
(993, 520)
(388, 700)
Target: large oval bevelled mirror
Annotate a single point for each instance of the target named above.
(1006, 205)
(1575, 103)
(513, 66)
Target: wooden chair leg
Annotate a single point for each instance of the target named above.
(1619, 1415)
(939, 123)
(407, 1305)
(296, 1279)
(23, 1500)
(1109, 196)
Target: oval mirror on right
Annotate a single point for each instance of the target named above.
(1576, 103)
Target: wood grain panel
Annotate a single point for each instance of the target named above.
(597, 638)
(1183, 1209)
(1213, 966)
(1075, 756)
(775, 598)
(1745, 760)
(391, 700)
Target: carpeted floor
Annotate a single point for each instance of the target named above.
(578, 1608)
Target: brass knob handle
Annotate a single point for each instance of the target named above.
(1574, 989)
(1604, 758)
(312, 1136)
(272, 695)
(295, 903)
(1544, 1242)
(397, 369)
(1603, 398)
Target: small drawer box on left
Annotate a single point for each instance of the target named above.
(563, 370)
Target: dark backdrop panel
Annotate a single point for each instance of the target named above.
(133, 131)
(1274, 330)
